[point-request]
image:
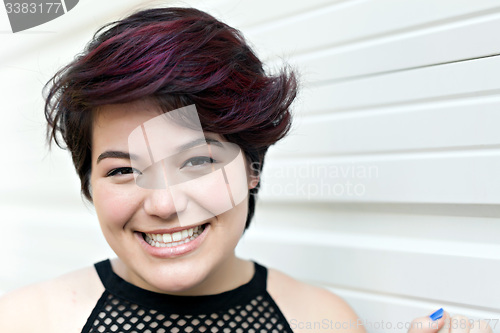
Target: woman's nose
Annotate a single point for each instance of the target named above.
(161, 203)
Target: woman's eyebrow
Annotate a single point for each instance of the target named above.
(116, 154)
(127, 156)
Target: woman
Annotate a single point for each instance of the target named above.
(168, 115)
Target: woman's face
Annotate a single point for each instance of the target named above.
(173, 216)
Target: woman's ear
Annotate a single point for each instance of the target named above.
(253, 181)
(253, 175)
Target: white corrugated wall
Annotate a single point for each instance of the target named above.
(387, 190)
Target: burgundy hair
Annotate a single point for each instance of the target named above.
(175, 57)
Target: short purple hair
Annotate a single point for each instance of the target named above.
(174, 57)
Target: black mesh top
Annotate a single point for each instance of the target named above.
(124, 307)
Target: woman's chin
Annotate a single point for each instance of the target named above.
(176, 280)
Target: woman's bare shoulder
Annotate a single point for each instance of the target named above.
(309, 308)
(62, 304)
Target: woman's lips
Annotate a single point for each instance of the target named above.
(175, 249)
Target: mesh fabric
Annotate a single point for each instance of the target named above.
(124, 307)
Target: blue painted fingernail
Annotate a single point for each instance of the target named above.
(436, 315)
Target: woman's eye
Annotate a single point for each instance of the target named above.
(122, 171)
(197, 161)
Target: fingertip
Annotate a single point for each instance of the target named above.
(438, 319)
(436, 314)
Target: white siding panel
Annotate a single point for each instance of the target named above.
(391, 271)
(454, 177)
(468, 78)
(385, 313)
(345, 236)
(456, 124)
(466, 40)
(49, 239)
(406, 90)
(353, 21)
(245, 14)
(455, 223)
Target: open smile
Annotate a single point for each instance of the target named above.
(173, 244)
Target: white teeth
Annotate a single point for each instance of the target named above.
(173, 239)
(177, 236)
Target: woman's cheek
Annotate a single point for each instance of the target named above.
(114, 205)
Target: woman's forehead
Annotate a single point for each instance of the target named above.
(132, 112)
(144, 122)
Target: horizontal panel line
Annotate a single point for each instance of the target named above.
(296, 200)
(394, 33)
(430, 153)
(456, 101)
(408, 102)
(396, 208)
(399, 298)
(439, 152)
(315, 84)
